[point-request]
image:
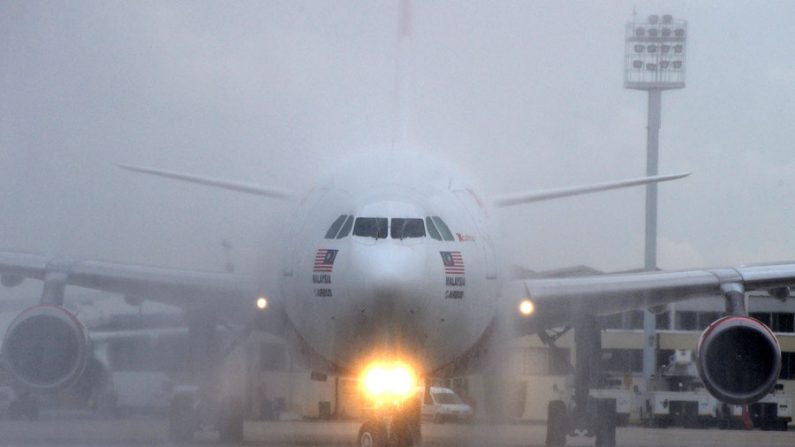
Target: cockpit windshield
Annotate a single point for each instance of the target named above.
(443, 229)
(403, 228)
(335, 227)
(398, 227)
(432, 231)
(346, 228)
(377, 227)
(341, 227)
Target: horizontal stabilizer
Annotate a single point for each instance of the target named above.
(546, 194)
(250, 188)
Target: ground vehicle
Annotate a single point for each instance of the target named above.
(624, 398)
(772, 412)
(141, 391)
(443, 404)
(677, 396)
(690, 408)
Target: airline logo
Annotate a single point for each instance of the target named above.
(465, 237)
(453, 262)
(324, 260)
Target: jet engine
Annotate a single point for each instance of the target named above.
(739, 359)
(46, 348)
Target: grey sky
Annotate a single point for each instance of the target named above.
(522, 95)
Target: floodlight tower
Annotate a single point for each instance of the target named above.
(654, 60)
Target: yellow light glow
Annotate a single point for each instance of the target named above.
(262, 303)
(391, 382)
(526, 308)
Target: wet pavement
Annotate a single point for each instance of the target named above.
(76, 430)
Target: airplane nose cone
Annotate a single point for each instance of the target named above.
(390, 279)
(386, 284)
(386, 302)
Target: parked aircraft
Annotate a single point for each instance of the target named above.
(392, 273)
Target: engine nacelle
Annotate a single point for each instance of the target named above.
(46, 348)
(739, 359)
(10, 280)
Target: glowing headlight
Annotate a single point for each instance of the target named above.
(526, 308)
(388, 381)
(262, 303)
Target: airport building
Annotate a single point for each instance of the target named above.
(679, 328)
(535, 375)
(277, 386)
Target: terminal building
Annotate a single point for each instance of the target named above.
(679, 328)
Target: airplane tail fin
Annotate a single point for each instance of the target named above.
(401, 137)
(232, 185)
(547, 194)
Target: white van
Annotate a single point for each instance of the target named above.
(138, 391)
(443, 404)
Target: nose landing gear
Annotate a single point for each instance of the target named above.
(393, 426)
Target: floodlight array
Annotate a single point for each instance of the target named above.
(655, 53)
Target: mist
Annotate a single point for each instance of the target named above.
(521, 95)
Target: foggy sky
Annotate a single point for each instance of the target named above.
(522, 95)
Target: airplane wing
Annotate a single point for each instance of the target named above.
(557, 300)
(183, 288)
(250, 188)
(547, 194)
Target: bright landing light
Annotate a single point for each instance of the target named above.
(262, 303)
(389, 381)
(526, 308)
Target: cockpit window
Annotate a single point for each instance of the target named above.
(403, 228)
(335, 227)
(377, 227)
(346, 228)
(432, 231)
(446, 234)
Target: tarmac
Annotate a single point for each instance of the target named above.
(87, 430)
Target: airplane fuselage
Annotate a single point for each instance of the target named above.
(391, 258)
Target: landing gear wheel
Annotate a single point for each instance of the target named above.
(230, 424)
(605, 423)
(372, 434)
(557, 423)
(182, 419)
(406, 432)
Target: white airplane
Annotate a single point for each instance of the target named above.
(392, 273)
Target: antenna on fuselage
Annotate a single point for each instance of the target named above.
(402, 78)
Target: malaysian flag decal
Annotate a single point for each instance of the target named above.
(453, 262)
(324, 260)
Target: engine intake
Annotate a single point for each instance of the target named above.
(739, 359)
(46, 348)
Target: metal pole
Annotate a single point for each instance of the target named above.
(652, 157)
